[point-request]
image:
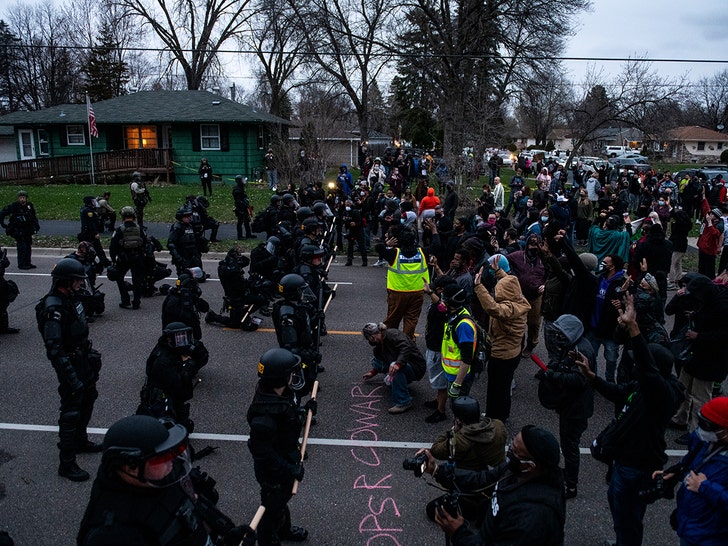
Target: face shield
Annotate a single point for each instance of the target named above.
(171, 464)
(196, 272)
(307, 295)
(181, 339)
(298, 381)
(272, 248)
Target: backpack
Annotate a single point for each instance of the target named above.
(481, 349)
(131, 237)
(258, 225)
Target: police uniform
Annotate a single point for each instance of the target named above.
(242, 210)
(184, 304)
(127, 252)
(91, 228)
(238, 294)
(182, 246)
(21, 226)
(62, 323)
(170, 381)
(295, 327)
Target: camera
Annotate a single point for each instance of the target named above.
(416, 464)
(659, 489)
(450, 503)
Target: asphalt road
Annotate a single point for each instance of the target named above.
(355, 490)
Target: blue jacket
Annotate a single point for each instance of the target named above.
(703, 516)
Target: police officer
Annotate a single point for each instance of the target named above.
(127, 249)
(276, 420)
(182, 242)
(91, 228)
(153, 270)
(62, 323)
(295, 319)
(184, 302)
(139, 195)
(242, 208)
(307, 234)
(8, 292)
(146, 492)
(200, 204)
(353, 222)
(287, 211)
(270, 216)
(240, 295)
(171, 370)
(91, 297)
(21, 226)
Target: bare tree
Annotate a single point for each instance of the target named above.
(345, 38)
(708, 102)
(192, 33)
(630, 100)
(47, 66)
(542, 103)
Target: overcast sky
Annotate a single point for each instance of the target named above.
(674, 29)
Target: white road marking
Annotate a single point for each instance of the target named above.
(314, 441)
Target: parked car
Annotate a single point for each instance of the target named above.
(632, 155)
(629, 164)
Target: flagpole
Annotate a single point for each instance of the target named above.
(90, 139)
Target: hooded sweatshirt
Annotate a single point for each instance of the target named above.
(507, 312)
(710, 350)
(430, 201)
(478, 446)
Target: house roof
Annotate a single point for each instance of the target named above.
(695, 132)
(148, 107)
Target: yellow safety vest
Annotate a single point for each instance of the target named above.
(451, 358)
(407, 272)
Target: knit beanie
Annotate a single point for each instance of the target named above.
(716, 411)
(542, 446)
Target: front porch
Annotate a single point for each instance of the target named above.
(78, 167)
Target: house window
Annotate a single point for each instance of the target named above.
(75, 135)
(720, 145)
(701, 146)
(43, 144)
(210, 137)
(261, 138)
(140, 136)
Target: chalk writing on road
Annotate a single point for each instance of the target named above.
(380, 523)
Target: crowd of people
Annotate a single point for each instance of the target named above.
(498, 285)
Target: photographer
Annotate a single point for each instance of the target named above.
(637, 442)
(527, 501)
(702, 508)
(474, 442)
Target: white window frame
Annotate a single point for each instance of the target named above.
(72, 139)
(44, 144)
(207, 141)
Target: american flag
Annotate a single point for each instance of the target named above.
(93, 131)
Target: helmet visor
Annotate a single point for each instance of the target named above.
(181, 338)
(169, 467)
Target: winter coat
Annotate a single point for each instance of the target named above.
(507, 312)
(478, 446)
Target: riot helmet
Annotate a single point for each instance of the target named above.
(179, 335)
(309, 252)
(272, 245)
(182, 212)
(287, 199)
(156, 455)
(279, 367)
(89, 201)
(274, 199)
(294, 287)
(128, 212)
(68, 269)
(240, 179)
(303, 213)
(320, 208)
(202, 201)
(466, 409)
(310, 226)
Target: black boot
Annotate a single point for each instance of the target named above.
(70, 470)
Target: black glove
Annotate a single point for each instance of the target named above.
(311, 406)
(242, 534)
(297, 471)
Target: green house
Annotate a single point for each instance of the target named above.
(159, 133)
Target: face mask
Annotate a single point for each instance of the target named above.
(603, 267)
(531, 252)
(441, 307)
(348, 209)
(661, 203)
(544, 219)
(514, 463)
(706, 436)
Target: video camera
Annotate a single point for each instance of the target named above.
(418, 463)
